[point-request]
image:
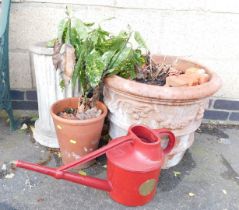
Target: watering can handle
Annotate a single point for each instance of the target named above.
(171, 139)
(97, 153)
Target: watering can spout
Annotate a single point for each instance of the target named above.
(76, 178)
(62, 173)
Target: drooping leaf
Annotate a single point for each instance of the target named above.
(111, 72)
(89, 24)
(107, 19)
(76, 73)
(68, 32)
(121, 52)
(79, 70)
(138, 57)
(122, 56)
(102, 32)
(51, 43)
(69, 11)
(62, 84)
(98, 37)
(94, 68)
(94, 37)
(132, 72)
(61, 29)
(138, 38)
(113, 44)
(120, 63)
(56, 57)
(74, 37)
(69, 61)
(81, 28)
(123, 34)
(107, 56)
(75, 41)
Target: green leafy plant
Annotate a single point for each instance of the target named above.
(86, 53)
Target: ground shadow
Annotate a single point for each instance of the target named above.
(170, 178)
(230, 173)
(213, 130)
(6, 206)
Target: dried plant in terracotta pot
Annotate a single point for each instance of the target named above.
(166, 92)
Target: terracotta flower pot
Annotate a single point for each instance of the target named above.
(179, 109)
(77, 137)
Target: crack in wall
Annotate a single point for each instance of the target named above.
(114, 5)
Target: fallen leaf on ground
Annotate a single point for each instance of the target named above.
(32, 128)
(24, 126)
(34, 118)
(4, 167)
(224, 191)
(72, 141)
(224, 141)
(177, 173)
(83, 173)
(191, 194)
(9, 176)
(40, 199)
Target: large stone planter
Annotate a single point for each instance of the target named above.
(179, 109)
(48, 92)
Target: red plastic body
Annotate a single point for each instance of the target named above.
(133, 166)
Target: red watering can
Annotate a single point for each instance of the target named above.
(133, 166)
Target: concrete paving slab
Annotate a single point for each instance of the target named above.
(206, 178)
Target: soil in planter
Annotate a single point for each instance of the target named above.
(167, 75)
(161, 81)
(156, 74)
(73, 114)
(162, 73)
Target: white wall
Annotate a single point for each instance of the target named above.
(204, 30)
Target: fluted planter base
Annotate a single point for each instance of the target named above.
(44, 137)
(48, 92)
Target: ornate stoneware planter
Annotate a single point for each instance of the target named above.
(179, 109)
(48, 92)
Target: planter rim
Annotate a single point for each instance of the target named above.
(78, 122)
(41, 48)
(138, 89)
